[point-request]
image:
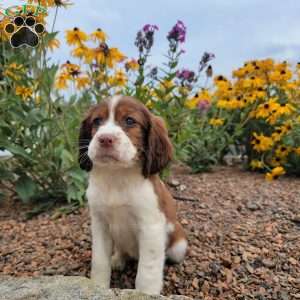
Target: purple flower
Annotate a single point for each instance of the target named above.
(177, 33)
(206, 57)
(149, 27)
(185, 74)
(145, 37)
(203, 105)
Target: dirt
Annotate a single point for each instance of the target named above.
(244, 238)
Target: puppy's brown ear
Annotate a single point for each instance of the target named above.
(159, 149)
(85, 137)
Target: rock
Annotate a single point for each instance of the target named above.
(65, 288)
(174, 183)
(252, 206)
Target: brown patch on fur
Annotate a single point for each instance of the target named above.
(159, 150)
(149, 135)
(167, 205)
(87, 131)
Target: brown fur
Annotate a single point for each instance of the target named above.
(87, 131)
(167, 205)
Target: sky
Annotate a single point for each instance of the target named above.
(234, 30)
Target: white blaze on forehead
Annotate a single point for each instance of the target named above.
(123, 145)
(112, 104)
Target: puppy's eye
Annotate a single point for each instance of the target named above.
(130, 121)
(97, 121)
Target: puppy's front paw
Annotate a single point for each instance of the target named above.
(118, 262)
(100, 280)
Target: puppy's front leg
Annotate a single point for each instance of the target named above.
(101, 252)
(152, 240)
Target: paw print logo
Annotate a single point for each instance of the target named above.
(24, 31)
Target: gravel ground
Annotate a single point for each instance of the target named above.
(244, 236)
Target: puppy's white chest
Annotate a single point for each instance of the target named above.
(125, 205)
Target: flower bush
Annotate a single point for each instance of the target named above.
(261, 108)
(37, 125)
(258, 109)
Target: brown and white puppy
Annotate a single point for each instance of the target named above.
(124, 147)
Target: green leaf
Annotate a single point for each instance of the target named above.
(18, 151)
(25, 188)
(6, 175)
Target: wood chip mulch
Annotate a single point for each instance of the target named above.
(244, 237)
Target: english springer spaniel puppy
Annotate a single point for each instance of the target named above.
(124, 147)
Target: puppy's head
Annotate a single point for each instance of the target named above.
(120, 132)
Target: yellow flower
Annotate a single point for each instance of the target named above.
(76, 37)
(71, 69)
(24, 92)
(256, 164)
(149, 104)
(107, 56)
(53, 44)
(202, 97)
(278, 161)
(99, 35)
(285, 109)
(266, 64)
(131, 65)
(14, 71)
(120, 78)
(216, 122)
(282, 151)
(221, 82)
(82, 51)
(265, 109)
(261, 143)
(82, 82)
(281, 131)
(51, 3)
(167, 84)
(280, 76)
(62, 80)
(275, 173)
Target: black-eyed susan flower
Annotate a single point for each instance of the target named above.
(275, 173)
(261, 143)
(282, 151)
(265, 109)
(99, 36)
(76, 37)
(202, 100)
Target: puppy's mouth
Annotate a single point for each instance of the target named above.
(107, 157)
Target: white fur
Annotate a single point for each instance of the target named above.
(125, 213)
(177, 252)
(124, 210)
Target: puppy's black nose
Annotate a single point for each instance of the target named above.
(106, 140)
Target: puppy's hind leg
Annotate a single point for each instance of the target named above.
(178, 245)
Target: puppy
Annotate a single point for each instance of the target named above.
(124, 147)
